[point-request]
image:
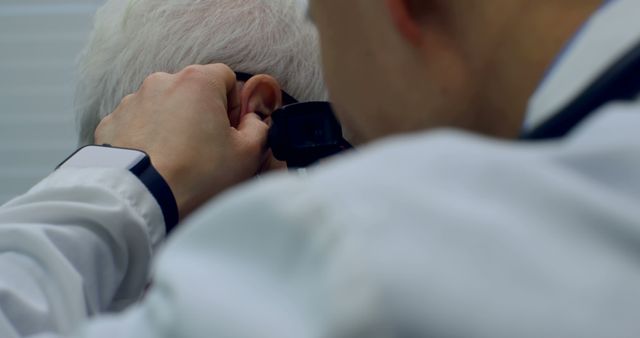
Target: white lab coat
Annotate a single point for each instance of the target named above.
(441, 234)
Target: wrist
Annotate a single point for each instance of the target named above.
(189, 193)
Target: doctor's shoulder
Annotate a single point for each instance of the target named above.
(360, 176)
(358, 183)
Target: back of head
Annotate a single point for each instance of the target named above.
(134, 38)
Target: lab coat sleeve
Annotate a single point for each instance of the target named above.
(248, 265)
(79, 243)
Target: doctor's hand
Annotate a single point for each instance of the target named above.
(199, 127)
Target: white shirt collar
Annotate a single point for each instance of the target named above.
(605, 38)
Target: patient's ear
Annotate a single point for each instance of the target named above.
(261, 95)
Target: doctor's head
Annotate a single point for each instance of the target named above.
(396, 66)
(135, 38)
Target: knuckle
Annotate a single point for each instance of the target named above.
(105, 120)
(195, 75)
(126, 100)
(155, 78)
(224, 69)
(192, 72)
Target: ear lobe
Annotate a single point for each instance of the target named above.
(406, 23)
(261, 95)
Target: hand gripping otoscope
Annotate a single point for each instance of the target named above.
(303, 133)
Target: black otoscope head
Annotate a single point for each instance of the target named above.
(304, 133)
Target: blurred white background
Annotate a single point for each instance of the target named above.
(39, 44)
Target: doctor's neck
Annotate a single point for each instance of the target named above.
(521, 39)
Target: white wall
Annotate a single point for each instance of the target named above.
(39, 42)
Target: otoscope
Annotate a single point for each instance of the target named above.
(303, 133)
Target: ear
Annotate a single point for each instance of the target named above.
(261, 95)
(406, 23)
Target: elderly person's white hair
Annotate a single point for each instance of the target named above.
(134, 38)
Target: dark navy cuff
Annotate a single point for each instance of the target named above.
(160, 190)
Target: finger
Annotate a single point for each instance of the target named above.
(216, 82)
(272, 164)
(223, 79)
(155, 83)
(235, 108)
(253, 130)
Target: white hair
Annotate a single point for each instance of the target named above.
(135, 38)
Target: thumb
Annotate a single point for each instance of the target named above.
(253, 130)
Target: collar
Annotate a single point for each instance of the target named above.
(604, 38)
